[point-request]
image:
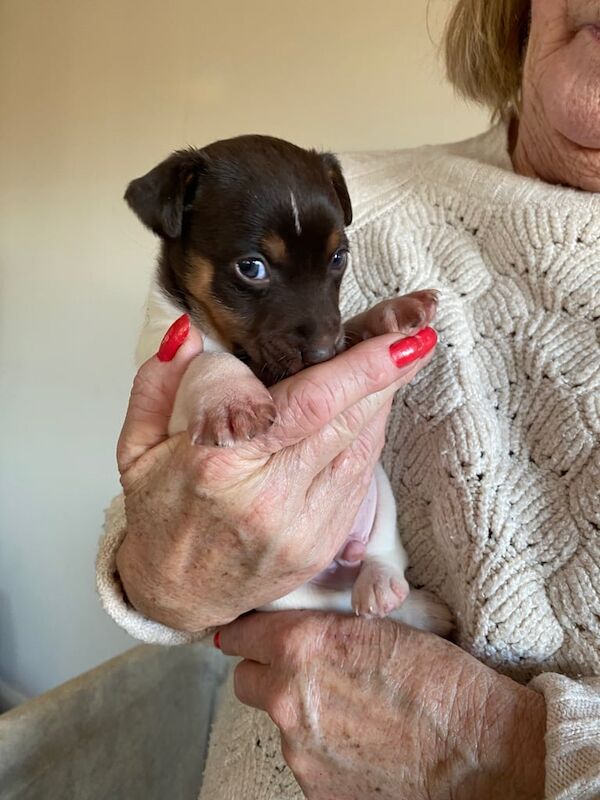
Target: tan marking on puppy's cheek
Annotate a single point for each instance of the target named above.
(226, 323)
(199, 280)
(274, 248)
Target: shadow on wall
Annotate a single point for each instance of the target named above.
(10, 696)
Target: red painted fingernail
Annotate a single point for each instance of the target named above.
(405, 351)
(174, 338)
(217, 640)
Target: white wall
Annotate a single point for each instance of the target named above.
(92, 94)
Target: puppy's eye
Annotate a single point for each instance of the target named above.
(338, 260)
(253, 270)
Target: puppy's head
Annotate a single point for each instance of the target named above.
(254, 245)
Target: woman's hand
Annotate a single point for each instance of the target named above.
(214, 532)
(372, 710)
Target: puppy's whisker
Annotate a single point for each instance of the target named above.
(263, 369)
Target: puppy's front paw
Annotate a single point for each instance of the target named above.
(407, 314)
(233, 422)
(378, 590)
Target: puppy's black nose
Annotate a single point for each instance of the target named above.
(315, 355)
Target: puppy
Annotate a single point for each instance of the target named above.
(254, 250)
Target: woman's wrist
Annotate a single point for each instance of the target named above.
(506, 724)
(156, 595)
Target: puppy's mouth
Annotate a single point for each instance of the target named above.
(273, 361)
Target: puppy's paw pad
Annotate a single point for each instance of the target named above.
(247, 420)
(233, 423)
(378, 590)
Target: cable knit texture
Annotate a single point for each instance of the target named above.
(493, 451)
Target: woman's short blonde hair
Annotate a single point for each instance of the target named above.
(484, 47)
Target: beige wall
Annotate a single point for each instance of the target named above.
(92, 94)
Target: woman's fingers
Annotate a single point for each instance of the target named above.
(320, 449)
(251, 683)
(348, 476)
(357, 382)
(250, 636)
(254, 635)
(313, 398)
(365, 449)
(153, 393)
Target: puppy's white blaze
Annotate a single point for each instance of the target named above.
(295, 214)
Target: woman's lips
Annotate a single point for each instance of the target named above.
(594, 30)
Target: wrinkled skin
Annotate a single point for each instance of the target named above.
(201, 549)
(214, 532)
(429, 720)
(372, 709)
(557, 137)
(367, 709)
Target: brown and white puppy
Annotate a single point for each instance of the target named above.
(254, 250)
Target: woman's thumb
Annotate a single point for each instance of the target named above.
(153, 393)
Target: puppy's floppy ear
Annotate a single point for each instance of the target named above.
(334, 170)
(160, 197)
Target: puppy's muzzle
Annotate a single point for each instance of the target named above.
(317, 353)
(318, 350)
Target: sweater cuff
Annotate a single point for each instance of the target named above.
(572, 736)
(111, 591)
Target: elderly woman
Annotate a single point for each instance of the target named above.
(493, 450)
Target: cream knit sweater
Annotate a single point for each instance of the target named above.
(493, 451)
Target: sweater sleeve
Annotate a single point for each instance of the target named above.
(572, 736)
